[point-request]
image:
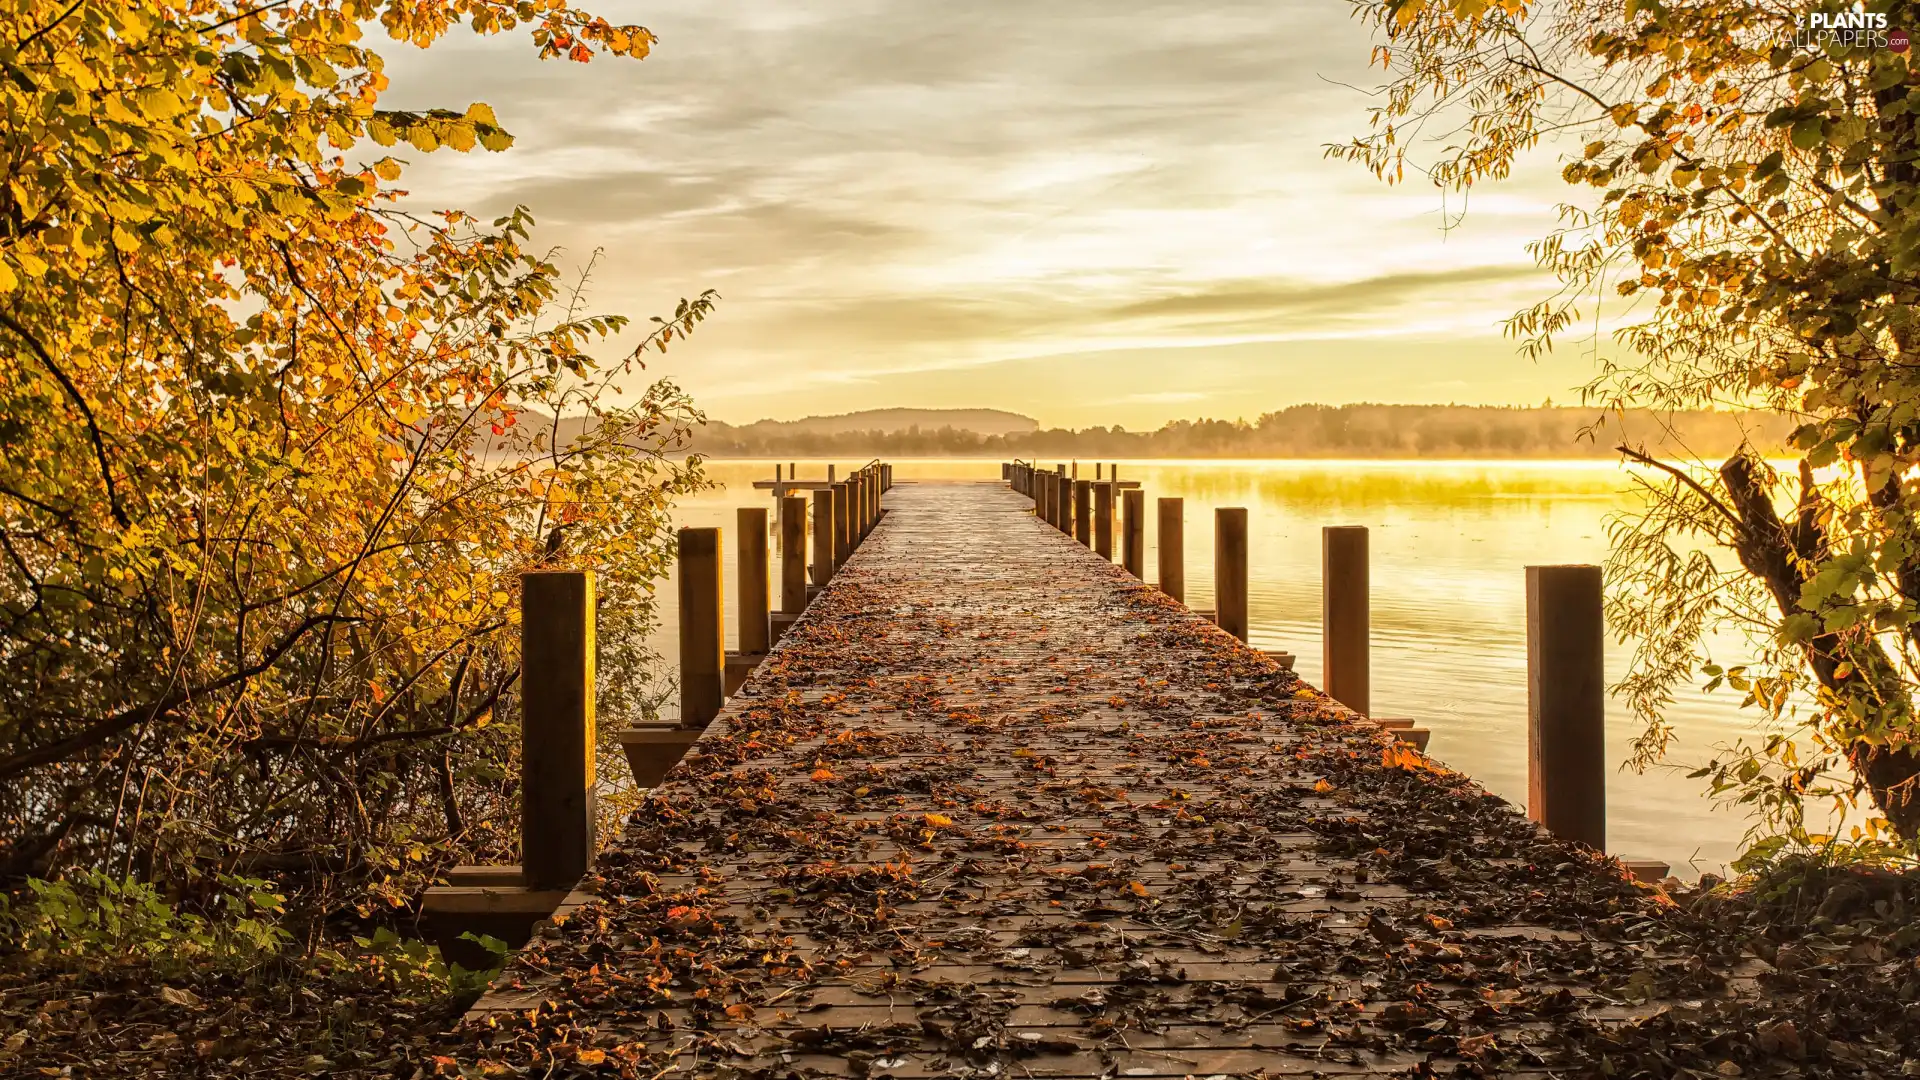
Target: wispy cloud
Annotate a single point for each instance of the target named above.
(892, 196)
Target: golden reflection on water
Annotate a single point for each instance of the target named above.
(1449, 543)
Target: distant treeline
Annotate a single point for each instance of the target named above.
(1303, 431)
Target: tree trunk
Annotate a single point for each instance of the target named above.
(1778, 554)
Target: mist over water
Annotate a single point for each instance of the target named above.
(1449, 545)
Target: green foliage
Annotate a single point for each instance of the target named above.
(416, 969)
(1747, 227)
(91, 918)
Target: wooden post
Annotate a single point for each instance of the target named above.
(1173, 549)
(1103, 519)
(886, 478)
(1566, 703)
(1230, 570)
(557, 834)
(1063, 503)
(823, 536)
(703, 640)
(793, 470)
(1096, 470)
(1044, 496)
(751, 566)
(1083, 512)
(856, 511)
(1133, 537)
(829, 474)
(776, 472)
(1343, 615)
(1113, 470)
(793, 554)
(842, 524)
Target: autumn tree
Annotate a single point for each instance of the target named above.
(276, 449)
(1745, 227)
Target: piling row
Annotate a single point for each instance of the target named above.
(558, 780)
(1565, 633)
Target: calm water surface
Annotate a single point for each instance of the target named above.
(1449, 542)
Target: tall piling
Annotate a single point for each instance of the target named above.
(1133, 527)
(1173, 551)
(703, 642)
(1344, 617)
(1566, 703)
(557, 745)
(1230, 570)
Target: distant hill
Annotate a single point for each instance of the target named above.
(1298, 431)
(821, 433)
(890, 421)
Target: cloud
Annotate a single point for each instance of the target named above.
(882, 187)
(1246, 305)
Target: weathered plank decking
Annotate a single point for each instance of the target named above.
(993, 806)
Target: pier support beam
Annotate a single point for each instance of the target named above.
(1063, 503)
(557, 824)
(1230, 570)
(823, 533)
(1133, 526)
(1173, 548)
(703, 644)
(1103, 519)
(1083, 512)
(1344, 618)
(842, 524)
(1566, 703)
(793, 559)
(751, 565)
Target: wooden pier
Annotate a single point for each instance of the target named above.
(994, 806)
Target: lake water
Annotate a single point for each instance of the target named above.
(1449, 544)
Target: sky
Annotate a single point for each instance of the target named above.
(1093, 212)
